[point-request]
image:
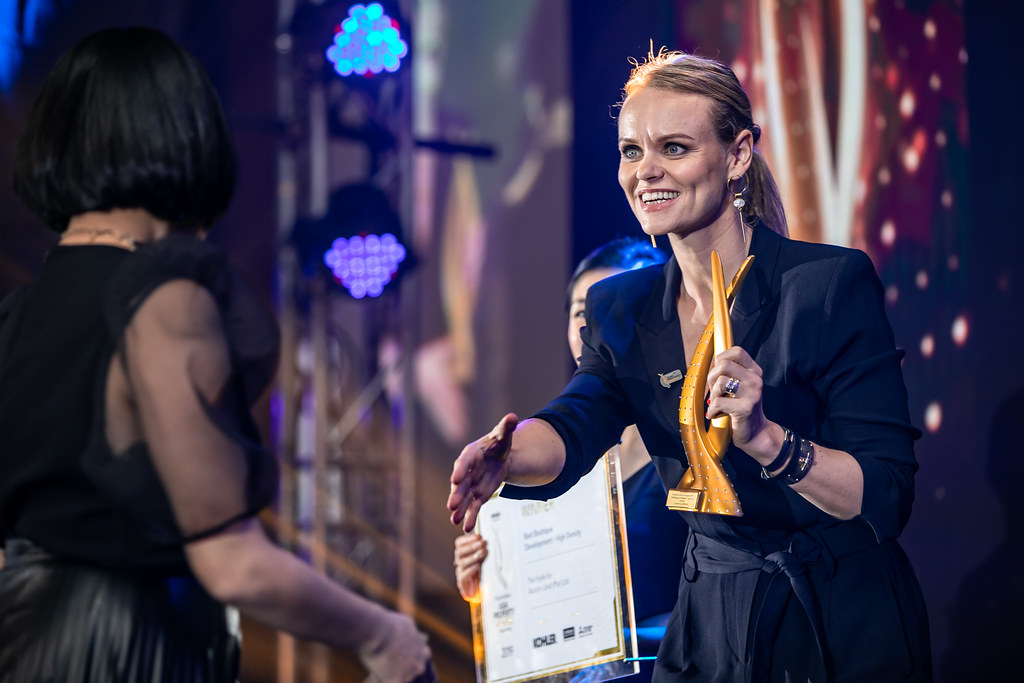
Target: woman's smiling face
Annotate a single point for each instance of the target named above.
(672, 166)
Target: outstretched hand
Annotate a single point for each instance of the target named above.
(479, 471)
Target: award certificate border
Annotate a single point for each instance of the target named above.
(614, 662)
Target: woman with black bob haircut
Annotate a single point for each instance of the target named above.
(131, 473)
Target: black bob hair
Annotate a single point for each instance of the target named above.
(624, 253)
(126, 119)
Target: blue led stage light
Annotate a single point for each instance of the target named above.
(367, 42)
(363, 264)
(358, 240)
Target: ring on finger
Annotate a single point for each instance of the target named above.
(730, 387)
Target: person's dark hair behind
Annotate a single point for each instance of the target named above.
(624, 253)
(97, 140)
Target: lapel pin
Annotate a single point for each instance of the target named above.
(668, 378)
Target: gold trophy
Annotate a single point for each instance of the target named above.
(705, 487)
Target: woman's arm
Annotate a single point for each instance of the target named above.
(834, 483)
(850, 360)
(178, 366)
(243, 568)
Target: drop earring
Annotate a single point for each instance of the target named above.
(737, 197)
(739, 202)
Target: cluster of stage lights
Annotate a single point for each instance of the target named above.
(367, 42)
(365, 263)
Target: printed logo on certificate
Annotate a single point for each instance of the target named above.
(556, 601)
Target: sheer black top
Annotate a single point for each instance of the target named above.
(61, 485)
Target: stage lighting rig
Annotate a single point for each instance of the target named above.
(367, 42)
(358, 240)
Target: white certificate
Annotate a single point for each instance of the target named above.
(554, 590)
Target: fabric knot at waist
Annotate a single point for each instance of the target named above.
(806, 548)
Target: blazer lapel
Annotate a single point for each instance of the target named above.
(752, 306)
(658, 330)
(661, 345)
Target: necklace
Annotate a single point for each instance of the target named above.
(99, 235)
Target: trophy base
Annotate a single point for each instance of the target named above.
(696, 500)
(687, 500)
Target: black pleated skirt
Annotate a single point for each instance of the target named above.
(65, 622)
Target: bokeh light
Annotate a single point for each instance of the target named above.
(888, 233)
(367, 42)
(960, 330)
(933, 417)
(907, 104)
(927, 345)
(365, 263)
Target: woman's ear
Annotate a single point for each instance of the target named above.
(741, 153)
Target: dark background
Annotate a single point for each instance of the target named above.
(966, 533)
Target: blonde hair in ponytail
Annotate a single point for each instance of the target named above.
(730, 111)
